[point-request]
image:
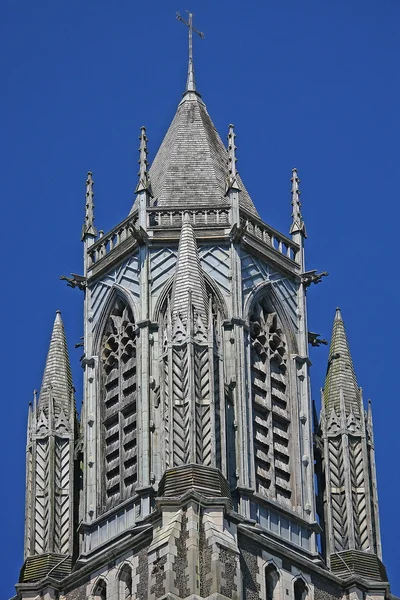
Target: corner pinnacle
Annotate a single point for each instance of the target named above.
(88, 228)
(298, 225)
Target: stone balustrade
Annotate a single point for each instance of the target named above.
(269, 236)
(111, 240)
(173, 218)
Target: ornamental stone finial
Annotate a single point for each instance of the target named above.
(143, 163)
(298, 225)
(232, 151)
(232, 181)
(88, 228)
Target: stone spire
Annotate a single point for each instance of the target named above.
(232, 182)
(340, 378)
(52, 428)
(57, 378)
(189, 284)
(298, 225)
(88, 228)
(143, 164)
(350, 497)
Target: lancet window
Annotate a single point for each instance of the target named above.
(100, 590)
(119, 396)
(300, 589)
(270, 403)
(271, 582)
(125, 583)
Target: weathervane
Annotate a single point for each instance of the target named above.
(190, 85)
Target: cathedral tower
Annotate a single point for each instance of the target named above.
(194, 469)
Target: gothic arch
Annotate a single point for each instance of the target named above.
(124, 581)
(99, 590)
(272, 582)
(115, 292)
(273, 409)
(211, 287)
(300, 588)
(117, 349)
(265, 292)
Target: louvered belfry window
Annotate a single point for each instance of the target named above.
(270, 400)
(119, 396)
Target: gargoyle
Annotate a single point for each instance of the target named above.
(310, 277)
(236, 233)
(138, 233)
(75, 281)
(314, 339)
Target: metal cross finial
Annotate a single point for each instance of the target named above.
(190, 85)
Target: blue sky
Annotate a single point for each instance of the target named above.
(308, 84)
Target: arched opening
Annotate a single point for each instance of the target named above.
(125, 583)
(271, 403)
(300, 589)
(100, 590)
(118, 410)
(271, 582)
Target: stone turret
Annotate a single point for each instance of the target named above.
(350, 498)
(49, 521)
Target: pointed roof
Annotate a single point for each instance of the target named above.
(57, 378)
(340, 376)
(189, 277)
(191, 166)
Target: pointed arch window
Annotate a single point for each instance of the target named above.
(100, 590)
(270, 399)
(119, 396)
(125, 583)
(271, 582)
(300, 589)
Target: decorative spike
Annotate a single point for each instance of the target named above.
(143, 164)
(298, 225)
(88, 228)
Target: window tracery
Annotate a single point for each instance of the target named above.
(119, 394)
(270, 400)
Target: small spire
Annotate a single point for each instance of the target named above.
(297, 218)
(232, 181)
(88, 226)
(190, 83)
(57, 378)
(232, 151)
(189, 278)
(340, 377)
(143, 164)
